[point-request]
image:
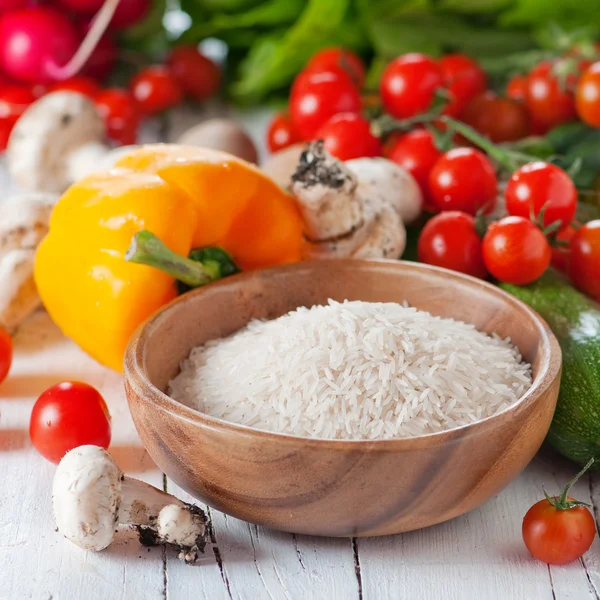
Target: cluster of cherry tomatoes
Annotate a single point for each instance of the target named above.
(65, 416)
(461, 185)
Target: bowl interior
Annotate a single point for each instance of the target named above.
(223, 308)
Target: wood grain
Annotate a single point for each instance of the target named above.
(315, 486)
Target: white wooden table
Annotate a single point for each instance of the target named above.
(479, 555)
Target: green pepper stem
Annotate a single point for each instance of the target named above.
(147, 249)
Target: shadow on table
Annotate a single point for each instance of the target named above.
(30, 386)
(13, 439)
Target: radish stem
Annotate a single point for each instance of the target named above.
(99, 26)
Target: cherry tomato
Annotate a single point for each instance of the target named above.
(499, 119)
(339, 57)
(464, 78)
(584, 262)
(450, 240)
(155, 89)
(14, 99)
(517, 88)
(408, 85)
(515, 251)
(463, 179)
(81, 84)
(121, 115)
(555, 536)
(38, 89)
(588, 96)
(540, 185)
(318, 96)
(561, 254)
(560, 529)
(198, 76)
(6, 354)
(548, 104)
(348, 135)
(280, 133)
(417, 153)
(66, 416)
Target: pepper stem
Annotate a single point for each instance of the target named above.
(147, 249)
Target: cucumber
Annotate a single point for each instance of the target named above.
(575, 320)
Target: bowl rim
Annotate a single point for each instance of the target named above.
(136, 378)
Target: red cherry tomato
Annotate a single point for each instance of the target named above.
(584, 261)
(499, 119)
(14, 99)
(408, 85)
(558, 537)
(6, 354)
(155, 89)
(540, 185)
(561, 253)
(348, 135)
(464, 78)
(81, 84)
(280, 133)
(339, 57)
(463, 179)
(121, 115)
(318, 96)
(450, 240)
(549, 104)
(66, 416)
(38, 89)
(198, 76)
(516, 251)
(417, 153)
(517, 88)
(588, 96)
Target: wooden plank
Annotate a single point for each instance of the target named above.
(478, 555)
(37, 562)
(249, 562)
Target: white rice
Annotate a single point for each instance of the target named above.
(356, 370)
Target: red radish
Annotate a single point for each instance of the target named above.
(33, 41)
(82, 7)
(130, 12)
(6, 5)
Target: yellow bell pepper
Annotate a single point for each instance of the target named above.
(189, 198)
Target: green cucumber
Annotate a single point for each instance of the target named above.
(575, 320)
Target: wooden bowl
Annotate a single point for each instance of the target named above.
(337, 487)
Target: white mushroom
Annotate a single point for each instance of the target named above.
(221, 134)
(91, 497)
(54, 141)
(351, 212)
(24, 220)
(390, 183)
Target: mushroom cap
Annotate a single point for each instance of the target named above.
(86, 495)
(46, 134)
(380, 179)
(221, 134)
